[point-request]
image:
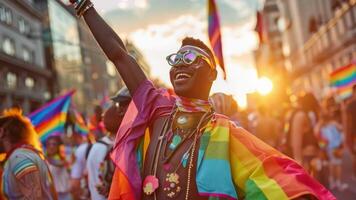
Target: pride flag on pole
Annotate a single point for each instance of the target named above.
(215, 34)
(343, 79)
(80, 124)
(50, 118)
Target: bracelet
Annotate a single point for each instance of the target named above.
(86, 9)
(75, 4)
(79, 4)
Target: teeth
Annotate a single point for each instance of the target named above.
(182, 75)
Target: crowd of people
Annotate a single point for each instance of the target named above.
(179, 144)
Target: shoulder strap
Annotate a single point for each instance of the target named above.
(104, 143)
(90, 145)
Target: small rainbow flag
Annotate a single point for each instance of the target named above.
(50, 118)
(80, 124)
(215, 34)
(343, 79)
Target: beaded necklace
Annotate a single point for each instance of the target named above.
(151, 182)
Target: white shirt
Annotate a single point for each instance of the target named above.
(60, 178)
(96, 157)
(79, 165)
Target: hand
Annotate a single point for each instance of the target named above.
(103, 189)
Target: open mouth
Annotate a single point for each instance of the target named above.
(182, 76)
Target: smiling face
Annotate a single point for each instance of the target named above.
(192, 79)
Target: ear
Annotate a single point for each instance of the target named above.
(212, 75)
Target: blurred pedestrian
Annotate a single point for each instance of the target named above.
(26, 174)
(267, 128)
(99, 164)
(301, 140)
(351, 127)
(331, 130)
(191, 152)
(96, 126)
(58, 166)
(227, 105)
(79, 179)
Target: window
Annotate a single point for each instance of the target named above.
(5, 15)
(8, 46)
(11, 80)
(27, 55)
(8, 14)
(2, 13)
(23, 26)
(30, 83)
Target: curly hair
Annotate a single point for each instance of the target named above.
(200, 44)
(19, 127)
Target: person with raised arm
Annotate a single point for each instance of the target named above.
(177, 147)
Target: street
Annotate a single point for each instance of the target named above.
(350, 192)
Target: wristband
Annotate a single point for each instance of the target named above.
(80, 5)
(86, 9)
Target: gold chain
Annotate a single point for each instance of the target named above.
(191, 166)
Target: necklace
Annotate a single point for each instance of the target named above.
(151, 182)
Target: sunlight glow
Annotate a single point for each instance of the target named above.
(264, 86)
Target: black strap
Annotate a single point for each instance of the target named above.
(90, 145)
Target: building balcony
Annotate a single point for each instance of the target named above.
(15, 63)
(332, 37)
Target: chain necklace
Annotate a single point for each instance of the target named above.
(151, 182)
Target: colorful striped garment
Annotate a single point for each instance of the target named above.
(50, 118)
(252, 169)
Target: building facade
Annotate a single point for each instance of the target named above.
(321, 39)
(25, 78)
(76, 59)
(269, 56)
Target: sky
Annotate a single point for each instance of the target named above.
(156, 27)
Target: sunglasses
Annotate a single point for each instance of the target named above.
(187, 57)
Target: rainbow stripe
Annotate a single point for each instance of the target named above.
(252, 169)
(215, 34)
(343, 79)
(50, 118)
(80, 125)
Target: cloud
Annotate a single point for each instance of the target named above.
(120, 4)
(158, 40)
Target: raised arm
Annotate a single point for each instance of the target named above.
(113, 47)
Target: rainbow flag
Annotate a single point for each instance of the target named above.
(343, 79)
(50, 118)
(215, 34)
(80, 124)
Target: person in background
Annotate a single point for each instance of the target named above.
(96, 126)
(266, 127)
(58, 166)
(302, 142)
(331, 131)
(79, 182)
(26, 174)
(99, 164)
(226, 105)
(351, 128)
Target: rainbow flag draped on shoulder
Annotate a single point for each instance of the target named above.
(343, 79)
(50, 118)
